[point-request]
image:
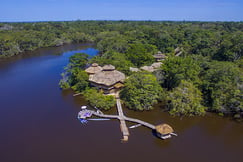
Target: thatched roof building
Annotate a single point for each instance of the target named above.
(132, 69)
(109, 68)
(108, 76)
(164, 129)
(159, 56)
(94, 68)
(156, 65)
(148, 68)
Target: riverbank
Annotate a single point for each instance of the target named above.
(43, 126)
(40, 49)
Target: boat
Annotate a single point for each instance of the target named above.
(135, 126)
(165, 136)
(83, 107)
(98, 119)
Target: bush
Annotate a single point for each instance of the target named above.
(141, 91)
(98, 99)
(185, 100)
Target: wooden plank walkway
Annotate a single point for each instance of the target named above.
(123, 125)
(122, 119)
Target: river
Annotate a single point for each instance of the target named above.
(39, 121)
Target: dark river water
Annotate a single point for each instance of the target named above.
(39, 122)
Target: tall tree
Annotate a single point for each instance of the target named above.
(141, 91)
(185, 99)
(180, 68)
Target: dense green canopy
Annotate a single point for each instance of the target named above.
(210, 62)
(141, 91)
(97, 99)
(185, 99)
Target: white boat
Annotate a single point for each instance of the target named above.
(135, 126)
(173, 134)
(165, 136)
(98, 119)
(83, 107)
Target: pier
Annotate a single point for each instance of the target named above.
(120, 117)
(164, 131)
(123, 125)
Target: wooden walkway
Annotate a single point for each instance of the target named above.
(121, 117)
(123, 125)
(148, 125)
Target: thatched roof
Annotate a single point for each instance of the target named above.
(164, 129)
(134, 69)
(159, 56)
(94, 68)
(108, 76)
(108, 67)
(156, 65)
(148, 68)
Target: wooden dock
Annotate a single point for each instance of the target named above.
(120, 117)
(123, 125)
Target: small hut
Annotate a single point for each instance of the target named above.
(159, 56)
(94, 68)
(164, 131)
(147, 68)
(156, 65)
(108, 79)
(134, 69)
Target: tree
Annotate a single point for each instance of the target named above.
(78, 60)
(141, 91)
(98, 99)
(119, 60)
(80, 81)
(141, 54)
(185, 99)
(222, 87)
(111, 41)
(179, 68)
(74, 78)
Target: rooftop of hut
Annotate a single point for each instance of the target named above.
(108, 68)
(159, 56)
(156, 65)
(108, 76)
(147, 68)
(94, 68)
(164, 129)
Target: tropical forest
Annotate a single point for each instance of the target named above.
(202, 70)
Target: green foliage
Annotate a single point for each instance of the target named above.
(78, 60)
(179, 68)
(119, 60)
(99, 100)
(218, 40)
(64, 84)
(185, 99)
(231, 47)
(111, 41)
(222, 87)
(75, 79)
(141, 54)
(79, 81)
(74, 76)
(132, 43)
(141, 91)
